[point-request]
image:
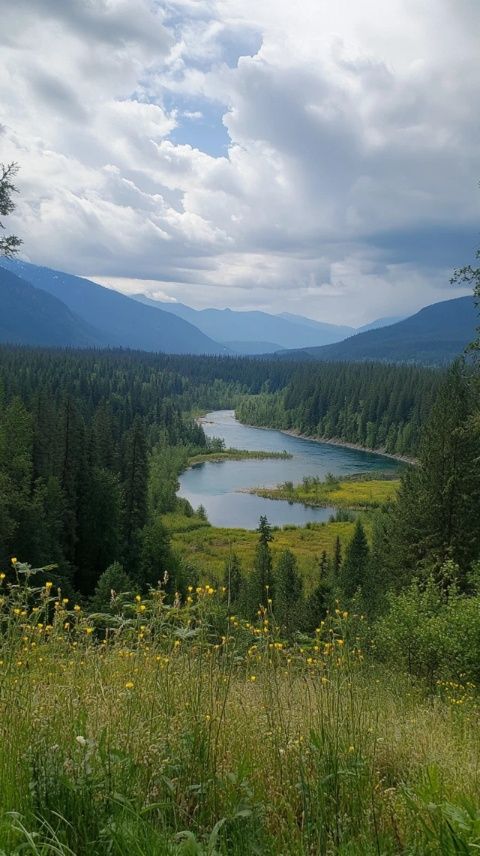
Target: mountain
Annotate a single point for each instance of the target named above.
(381, 322)
(229, 325)
(120, 320)
(316, 325)
(29, 316)
(434, 336)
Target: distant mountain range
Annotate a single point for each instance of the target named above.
(41, 306)
(29, 316)
(255, 332)
(433, 336)
(113, 319)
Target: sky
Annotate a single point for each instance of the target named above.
(286, 155)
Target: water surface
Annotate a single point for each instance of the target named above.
(218, 486)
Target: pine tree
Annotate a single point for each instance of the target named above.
(337, 559)
(320, 600)
(288, 600)
(355, 565)
(156, 558)
(261, 583)
(135, 492)
(113, 582)
(438, 506)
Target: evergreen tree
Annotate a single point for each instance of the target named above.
(355, 565)
(113, 582)
(135, 491)
(320, 600)
(438, 507)
(260, 587)
(337, 559)
(10, 244)
(288, 603)
(99, 528)
(156, 558)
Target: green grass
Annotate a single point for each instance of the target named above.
(348, 493)
(168, 737)
(207, 547)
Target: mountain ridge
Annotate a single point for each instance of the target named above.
(120, 320)
(434, 335)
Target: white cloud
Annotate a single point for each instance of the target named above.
(348, 190)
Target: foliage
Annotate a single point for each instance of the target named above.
(372, 405)
(354, 567)
(434, 633)
(10, 244)
(436, 517)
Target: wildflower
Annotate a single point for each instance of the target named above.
(48, 585)
(77, 608)
(89, 631)
(129, 685)
(253, 678)
(14, 560)
(138, 598)
(2, 576)
(81, 740)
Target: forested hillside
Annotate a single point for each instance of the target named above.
(373, 405)
(434, 336)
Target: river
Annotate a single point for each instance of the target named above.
(218, 486)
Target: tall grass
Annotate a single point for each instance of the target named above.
(179, 730)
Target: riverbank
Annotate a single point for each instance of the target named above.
(334, 441)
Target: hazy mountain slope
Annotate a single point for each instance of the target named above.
(317, 325)
(435, 335)
(380, 322)
(123, 322)
(30, 316)
(226, 325)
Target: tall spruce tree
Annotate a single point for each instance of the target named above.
(261, 582)
(438, 509)
(135, 484)
(321, 598)
(288, 601)
(355, 565)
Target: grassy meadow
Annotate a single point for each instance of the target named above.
(174, 730)
(358, 493)
(208, 547)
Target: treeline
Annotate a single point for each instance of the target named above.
(89, 456)
(370, 404)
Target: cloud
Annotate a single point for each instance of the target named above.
(347, 186)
